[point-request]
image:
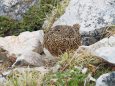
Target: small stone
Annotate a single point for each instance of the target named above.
(84, 70)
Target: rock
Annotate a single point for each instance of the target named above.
(2, 80)
(103, 49)
(62, 38)
(29, 58)
(93, 17)
(106, 53)
(92, 37)
(82, 69)
(15, 8)
(55, 68)
(107, 79)
(26, 46)
(47, 53)
(26, 41)
(3, 77)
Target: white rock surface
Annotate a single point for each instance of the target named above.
(47, 53)
(104, 49)
(91, 15)
(107, 79)
(29, 58)
(26, 41)
(27, 46)
(2, 80)
(15, 8)
(107, 53)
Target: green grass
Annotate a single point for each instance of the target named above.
(72, 77)
(68, 75)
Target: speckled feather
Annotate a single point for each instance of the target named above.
(62, 38)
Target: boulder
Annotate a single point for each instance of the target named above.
(26, 47)
(107, 79)
(15, 8)
(93, 17)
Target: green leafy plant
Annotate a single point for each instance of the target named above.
(72, 77)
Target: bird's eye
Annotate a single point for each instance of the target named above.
(18, 63)
(58, 29)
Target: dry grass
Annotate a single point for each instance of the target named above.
(86, 58)
(26, 78)
(56, 13)
(68, 61)
(111, 29)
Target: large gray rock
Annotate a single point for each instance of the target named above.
(107, 79)
(92, 15)
(15, 8)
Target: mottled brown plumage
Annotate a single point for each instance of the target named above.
(62, 38)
